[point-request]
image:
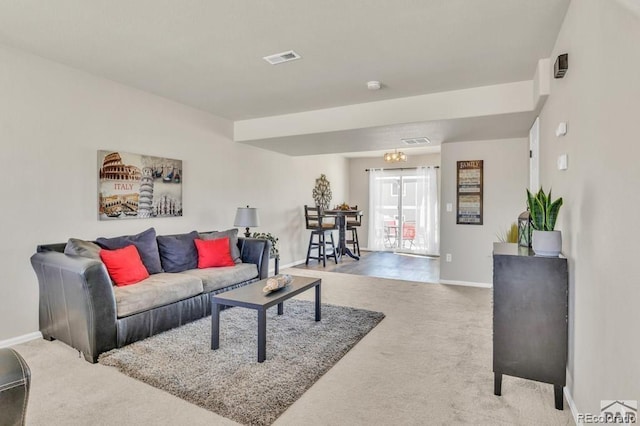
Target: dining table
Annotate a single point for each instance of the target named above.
(341, 219)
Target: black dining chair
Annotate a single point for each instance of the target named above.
(353, 222)
(320, 226)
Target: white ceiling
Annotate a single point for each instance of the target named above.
(208, 54)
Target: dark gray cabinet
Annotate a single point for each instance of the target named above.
(530, 312)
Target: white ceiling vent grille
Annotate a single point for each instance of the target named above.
(416, 141)
(279, 58)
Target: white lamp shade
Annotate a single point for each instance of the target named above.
(247, 217)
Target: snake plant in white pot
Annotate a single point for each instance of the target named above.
(545, 240)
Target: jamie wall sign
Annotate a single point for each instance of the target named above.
(469, 194)
(134, 186)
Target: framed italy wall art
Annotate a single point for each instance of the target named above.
(136, 186)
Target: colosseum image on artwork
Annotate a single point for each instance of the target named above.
(138, 186)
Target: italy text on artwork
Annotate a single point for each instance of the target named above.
(469, 192)
(138, 186)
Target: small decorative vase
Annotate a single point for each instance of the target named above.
(547, 243)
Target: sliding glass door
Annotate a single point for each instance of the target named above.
(403, 210)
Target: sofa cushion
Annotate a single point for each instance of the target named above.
(232, 234)
(146, 244)
(216, 278)
(214, 253)
(157, 290)
(124, 265)
(178, 252)
(82, 248)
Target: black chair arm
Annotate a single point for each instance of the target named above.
(256, 250)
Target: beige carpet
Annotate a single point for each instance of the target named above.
(428, 362)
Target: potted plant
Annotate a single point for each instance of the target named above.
(510, 235)
(545, 240)
(268, 236)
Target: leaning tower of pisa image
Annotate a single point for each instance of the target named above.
(146, 193)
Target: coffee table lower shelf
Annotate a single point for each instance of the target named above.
(252, 297)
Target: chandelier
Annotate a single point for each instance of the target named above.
(395, 156)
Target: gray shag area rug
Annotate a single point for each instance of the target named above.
(229, 381)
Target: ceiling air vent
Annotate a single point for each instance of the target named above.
(416, 141)
(279, 58)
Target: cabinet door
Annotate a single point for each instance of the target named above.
(530, 317)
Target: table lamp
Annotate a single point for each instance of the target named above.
(247, 217)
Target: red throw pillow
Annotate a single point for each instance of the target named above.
(124, 265)
(214, 253)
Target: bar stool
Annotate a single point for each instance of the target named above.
(353, 222)
(314, 221)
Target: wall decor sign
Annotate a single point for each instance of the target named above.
(469, 192)
(134, 186)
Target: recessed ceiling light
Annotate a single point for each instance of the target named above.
(416, 141)
(279, 58)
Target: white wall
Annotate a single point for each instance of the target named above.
(359, 183)
(599, 97)
(506, 177)
(53, 119)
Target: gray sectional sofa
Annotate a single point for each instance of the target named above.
(80, 306)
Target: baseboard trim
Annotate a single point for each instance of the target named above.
(291, 264)
(572, 406)
(20, 339)
(466, 283)
(448, 282)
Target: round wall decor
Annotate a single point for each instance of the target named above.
(322, 192)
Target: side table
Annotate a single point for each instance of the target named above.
(276, 258)
(530, 317)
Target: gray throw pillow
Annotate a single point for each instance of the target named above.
(233, 241)
(146, 244)
(82, 248)
(178, 252)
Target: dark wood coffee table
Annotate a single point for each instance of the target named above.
(252, 297)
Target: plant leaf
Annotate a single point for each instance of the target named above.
(536, 209)
(543, 198)
(512, 233)
(552, 213)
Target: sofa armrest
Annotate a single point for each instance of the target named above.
(255, 250)
(15, 382)
(77, 303)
